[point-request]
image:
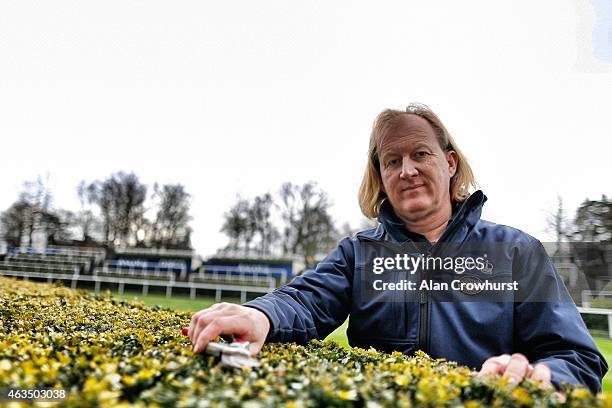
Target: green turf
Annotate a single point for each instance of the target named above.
(174, 302)
(605, 347)
(185, 303)
(339, 335)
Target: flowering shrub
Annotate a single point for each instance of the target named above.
(106, 352)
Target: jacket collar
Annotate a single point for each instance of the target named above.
(465, 216)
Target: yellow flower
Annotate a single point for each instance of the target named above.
(261, 383)
(522, 396)
(402, 380)
(580, 393)
(63, 358)
(5, 365)
(128, 380)
(350, 395)
(145, 374)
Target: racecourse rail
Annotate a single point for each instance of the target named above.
(144, 282)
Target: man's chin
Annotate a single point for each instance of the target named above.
(413, 211)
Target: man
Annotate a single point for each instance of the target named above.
(416, 183)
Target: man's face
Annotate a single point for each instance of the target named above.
(415, 171)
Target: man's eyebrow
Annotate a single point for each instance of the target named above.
(388, 152)
(404, 147)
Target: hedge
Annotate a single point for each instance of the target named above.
(107, 352)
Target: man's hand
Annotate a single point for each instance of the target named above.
(517, 367)
(244, 323)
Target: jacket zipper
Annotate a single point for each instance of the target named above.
(423, 314)
(423, 310)
(423, 296)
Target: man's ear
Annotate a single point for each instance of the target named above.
(452, 159)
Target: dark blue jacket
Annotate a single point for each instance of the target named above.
(468, 331)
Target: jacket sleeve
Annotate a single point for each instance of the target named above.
(313, 304)
(548, 326)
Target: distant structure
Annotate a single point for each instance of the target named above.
(179, 262)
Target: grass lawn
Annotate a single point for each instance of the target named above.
(339, 335)
(605, 347)
(184, 303)
(174, 302)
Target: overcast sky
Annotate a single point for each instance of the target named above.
(237, 97)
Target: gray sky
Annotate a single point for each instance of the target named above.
(237, 97)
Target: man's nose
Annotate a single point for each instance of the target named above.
(408, 168)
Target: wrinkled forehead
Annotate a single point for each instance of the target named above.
(407, 131)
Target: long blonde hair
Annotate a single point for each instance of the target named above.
(371, 195)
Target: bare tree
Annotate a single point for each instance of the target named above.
(37, 195)
(86, 218)
(121, 200)
(32, 213)
(57, 226)
(591, 241)
(558, 224)
(171, 225)
(309, 229)
(131, 208)
(593, 221)
(260, 221)
(236, 225)
(16, 221)
(103, 193)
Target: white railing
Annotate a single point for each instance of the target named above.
(7, 265)
(595, 310)
(242, 280)
(134, 273)
(98, 254)
(182, 253)
(49, 259)
(121, 282)
(588, 295)
(84, 251)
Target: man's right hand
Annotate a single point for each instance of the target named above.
(244, 323)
